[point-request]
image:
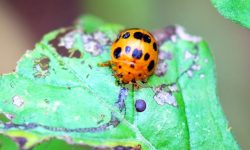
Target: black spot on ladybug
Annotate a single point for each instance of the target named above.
(129, 72)
(140, 105)
(146, 38)
(146, 56)
(119, 66)
(138, 35)
(132, 66)
(137, 54)
(155, 46)
(139, 75)
(126, 35)
(151, 65)
(127, 49)
(117, 52)
(118, 37)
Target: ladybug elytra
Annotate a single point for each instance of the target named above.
(134, 55)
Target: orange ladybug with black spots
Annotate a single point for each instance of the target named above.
(134, 55)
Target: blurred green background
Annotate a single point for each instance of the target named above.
(22, 23)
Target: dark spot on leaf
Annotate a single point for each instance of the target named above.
(126, 35)
(151, 65)
(8, 125)
(123, 148)
(41, 67)
(146, 38)
(62, 51)
(120, 103)
(55, 42)
(137, 54)
(196, 47)
(146, 56)
(30, 126)
(43, 63)
(90, 67)
(114, 121)
(117, 52)
(20, 140)
(140, 105)
(101, 119)
(46, 101)
(138, 35)
(76, 54)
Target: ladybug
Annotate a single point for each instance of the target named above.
(134, 55)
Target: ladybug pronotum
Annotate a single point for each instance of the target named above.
(134, 55)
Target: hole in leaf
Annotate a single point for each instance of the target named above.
(62, 50)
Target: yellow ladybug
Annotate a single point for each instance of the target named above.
(134, 55)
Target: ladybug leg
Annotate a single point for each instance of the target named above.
(143, 84)
(105, 64)
(136, 86)
(144, 81)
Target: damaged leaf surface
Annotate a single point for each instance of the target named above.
(58, 90)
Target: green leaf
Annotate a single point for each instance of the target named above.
(54, 144)
(6, 143)
(58, 90)
(238, 10)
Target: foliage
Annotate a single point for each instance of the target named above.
(58, 90)
(236, 10)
